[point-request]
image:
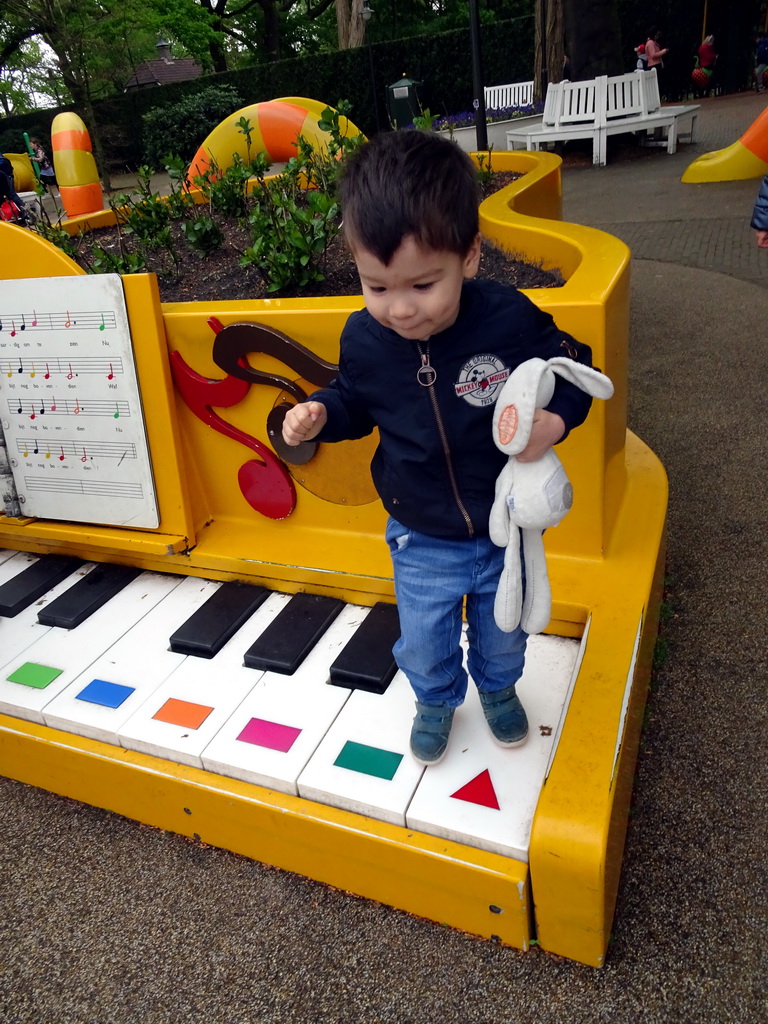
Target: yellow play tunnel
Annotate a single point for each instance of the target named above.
(745, 158)
(276, 125)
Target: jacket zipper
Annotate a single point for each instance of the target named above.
(444, 441)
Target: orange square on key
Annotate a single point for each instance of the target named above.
(181, 712)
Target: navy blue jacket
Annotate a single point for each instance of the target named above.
(760, 213)
(436, 465)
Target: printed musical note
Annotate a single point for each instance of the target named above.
(61, 457)
(84, 456)
(110, 375)
(13, 328)
(48, 453)
(42, 407)
(21, 368)
(67, 322)
(102, 326)
(19, 410)
(34, 318)
(10, 370)
(53, 405)
(25, 454)
(32, 371)
(36, 449)
(33, 414)
(1, 325)
(70, 375)
(47, 372)
(23, 323)
(117, 411)
(77, 407)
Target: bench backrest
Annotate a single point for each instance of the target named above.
(516, 94)
(625, 96)
(581, 102)
(553, 103)
(649, 85)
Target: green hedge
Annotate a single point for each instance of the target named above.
(440, 60)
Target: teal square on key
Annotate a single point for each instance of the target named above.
(109, 695)
(30, 674)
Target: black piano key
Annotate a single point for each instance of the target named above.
(290, 637)
(367, 662)
(87, 596)
(19, 593)
(215, 622)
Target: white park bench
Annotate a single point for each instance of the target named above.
(517, 94)
(606, 106)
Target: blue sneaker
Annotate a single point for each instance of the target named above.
(430, 732)
(505, 716)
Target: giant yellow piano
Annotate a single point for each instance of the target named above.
(164, 545)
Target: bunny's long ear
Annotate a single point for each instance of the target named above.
(517, 402)
(584, 377)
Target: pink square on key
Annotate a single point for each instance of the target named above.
(271, 735)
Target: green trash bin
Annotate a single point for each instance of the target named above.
(403, 102)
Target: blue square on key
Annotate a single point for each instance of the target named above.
(109, 695)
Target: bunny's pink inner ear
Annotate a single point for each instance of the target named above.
(508, 421)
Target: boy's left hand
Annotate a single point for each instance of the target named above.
(547, 430)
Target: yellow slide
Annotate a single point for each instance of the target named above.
(746, 158)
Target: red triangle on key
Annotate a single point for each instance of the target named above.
(479, 791)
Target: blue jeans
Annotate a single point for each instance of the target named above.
(432, 576)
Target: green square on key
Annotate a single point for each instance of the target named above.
(30, 674)
(358, 757)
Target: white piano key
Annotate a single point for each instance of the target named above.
(136, 664)
(371, 736)
(198, 697)
(5, 554)
(514, 776)
(277, 728)
(18, 562)
(21, 631)
(50, 664)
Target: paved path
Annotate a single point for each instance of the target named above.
(103, 920)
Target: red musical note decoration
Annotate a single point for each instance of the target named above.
(47, 370)
(266, 485)
(111, 374)
(61, 457)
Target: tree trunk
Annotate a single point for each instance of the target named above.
(350, 24)
(593, 38)
(549, 46)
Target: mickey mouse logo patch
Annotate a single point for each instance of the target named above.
(480, 379)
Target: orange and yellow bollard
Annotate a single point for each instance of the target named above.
(76, 173)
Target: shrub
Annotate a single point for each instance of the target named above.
(180, 127)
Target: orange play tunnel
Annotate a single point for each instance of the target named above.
(76, 172)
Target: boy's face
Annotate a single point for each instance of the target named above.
(418, 294)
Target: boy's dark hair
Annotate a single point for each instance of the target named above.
(409, 183)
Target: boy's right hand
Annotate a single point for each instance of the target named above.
(303, 422)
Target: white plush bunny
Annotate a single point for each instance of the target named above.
(530, 496)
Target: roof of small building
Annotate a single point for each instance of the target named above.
(162, 72)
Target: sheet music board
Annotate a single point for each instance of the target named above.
(70, 406)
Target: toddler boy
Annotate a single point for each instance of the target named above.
(424, 362)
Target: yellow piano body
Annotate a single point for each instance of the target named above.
(605, 562)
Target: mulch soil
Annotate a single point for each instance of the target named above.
(219, 276)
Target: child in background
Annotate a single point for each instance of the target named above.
(424, 362)
(47, 173)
